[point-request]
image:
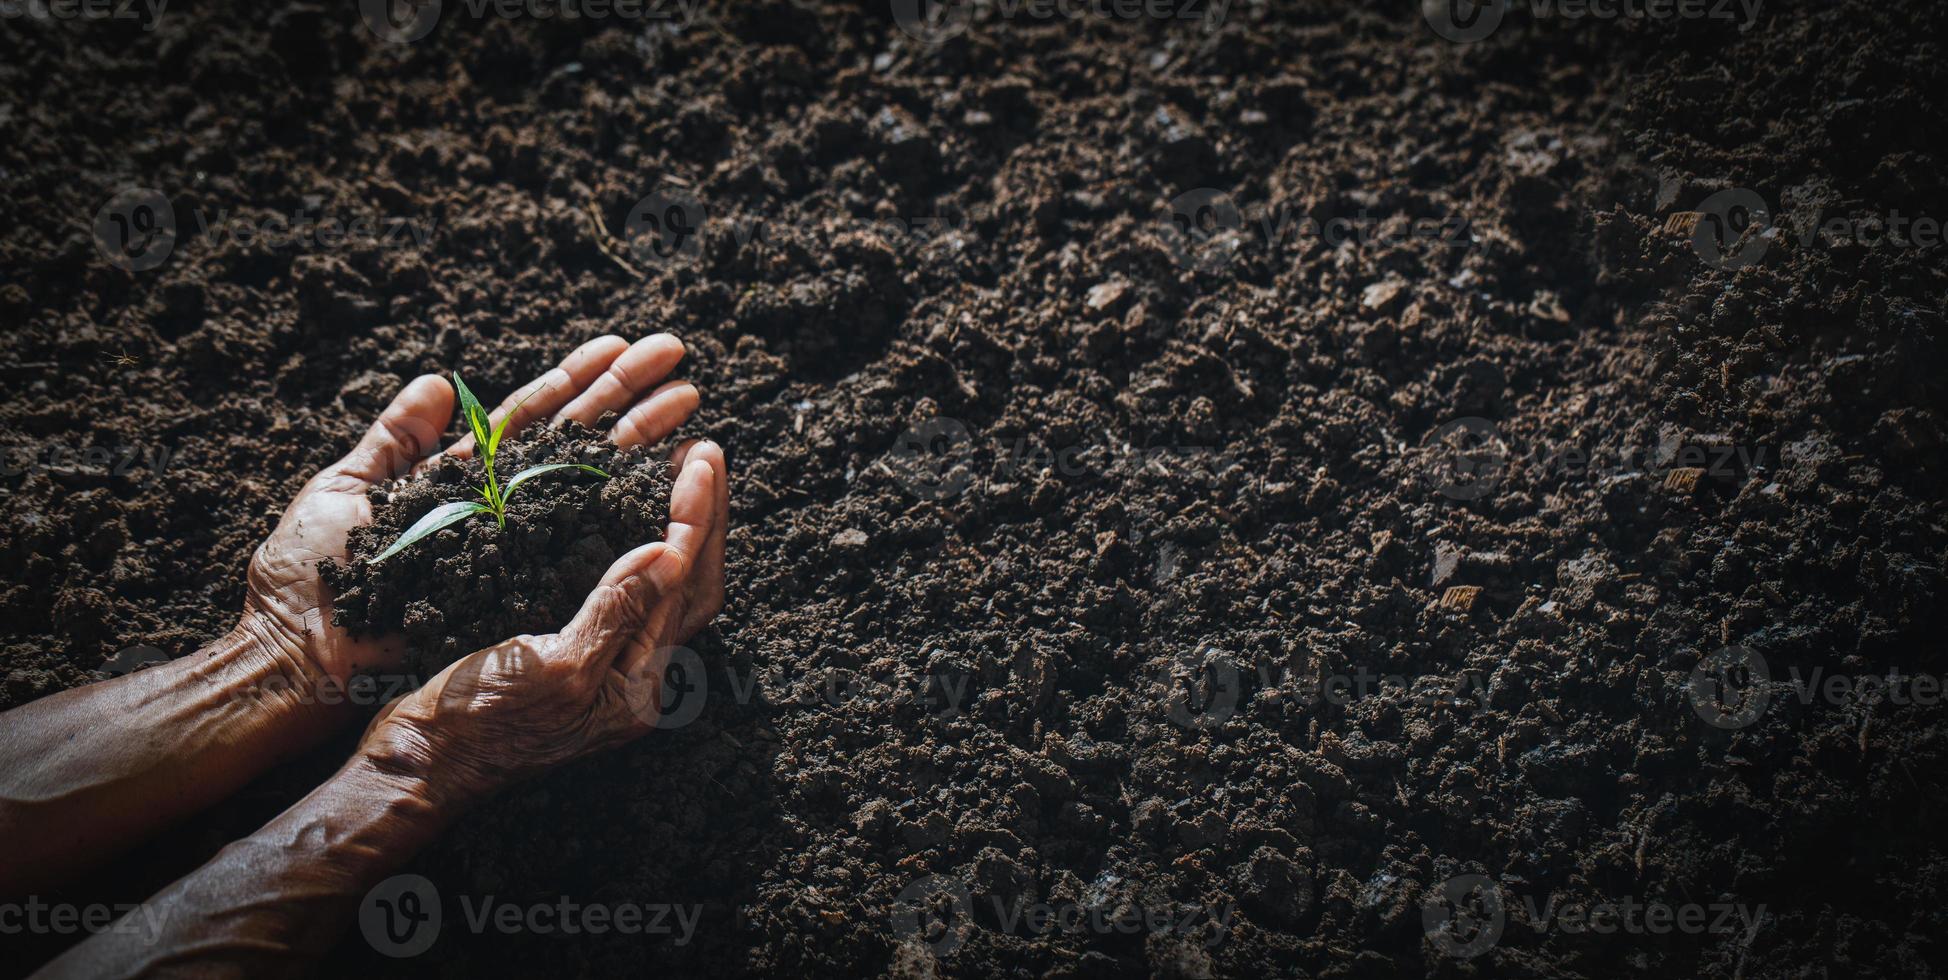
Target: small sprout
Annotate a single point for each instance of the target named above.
(494, 496)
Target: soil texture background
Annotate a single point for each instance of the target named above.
(1080, 489)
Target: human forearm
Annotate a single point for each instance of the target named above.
(90, 771)
(274, 902)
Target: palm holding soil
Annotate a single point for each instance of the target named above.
(288, 603)
(524, 705)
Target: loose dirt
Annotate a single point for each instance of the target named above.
(1068, 519)
(479, 582)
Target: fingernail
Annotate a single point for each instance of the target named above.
(632, 563)
(666, 571)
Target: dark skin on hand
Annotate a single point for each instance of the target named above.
(87, 773)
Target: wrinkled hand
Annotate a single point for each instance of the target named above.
(533, 702)
(287, 608)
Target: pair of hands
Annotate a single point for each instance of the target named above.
(531, 702)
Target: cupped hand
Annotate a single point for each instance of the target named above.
(533, 702)
(287, 607)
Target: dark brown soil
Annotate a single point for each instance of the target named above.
(477, 583)
(1050, 517)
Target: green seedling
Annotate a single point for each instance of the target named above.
(494, 496)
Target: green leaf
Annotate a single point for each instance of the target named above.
(494, 442)
(435, 519)
(534, 471)
(476, 415)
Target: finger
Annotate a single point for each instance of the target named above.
(639, 368)
(619, 607)
(709, 573)
(647, 653)
(576, 372)
(681, 454)
(405, 433)
(659, 415)
(693, 510)
(674, 571)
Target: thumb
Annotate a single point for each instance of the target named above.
(406, 432)
(619, 607)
